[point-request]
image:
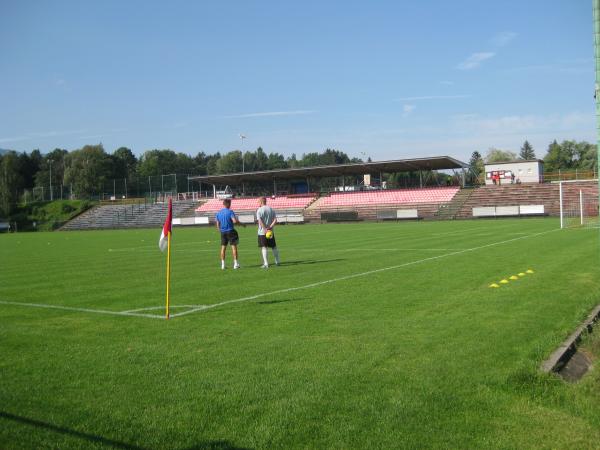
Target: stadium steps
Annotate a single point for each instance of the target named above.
(546, 194)
(449, 211)
(129, 216)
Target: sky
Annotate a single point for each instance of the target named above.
(379, 79)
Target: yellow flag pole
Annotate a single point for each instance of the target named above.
(168, 272)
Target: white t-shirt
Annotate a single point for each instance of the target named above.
(267, 215)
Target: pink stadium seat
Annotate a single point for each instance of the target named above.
(251, 204)
(390, 197)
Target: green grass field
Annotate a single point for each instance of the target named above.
(370, 335)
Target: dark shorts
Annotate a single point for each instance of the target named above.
(264, 242)
(230, 237)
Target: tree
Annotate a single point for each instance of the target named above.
(587, 156)
(476, 167)
(87, 169)
(262, 160)
(495, 155)
(52, 164)
(230, 162)
(30, 164)
(124, 163)
(292, 161)
(558, 157)
(527, 152)
(276, 161)
(157, 162)
(11, 181)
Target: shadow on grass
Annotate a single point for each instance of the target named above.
(299, 262)
(208, 445)
(272, 302)
(310, 261)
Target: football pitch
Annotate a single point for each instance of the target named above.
(369, 335)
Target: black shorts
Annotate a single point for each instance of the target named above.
(264, 242)
(230, 237)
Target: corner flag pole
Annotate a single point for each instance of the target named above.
(164, 243)
(168, 272)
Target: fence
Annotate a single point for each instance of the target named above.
(570, 174)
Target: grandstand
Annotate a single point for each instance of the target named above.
(380, 205)
(440, 203)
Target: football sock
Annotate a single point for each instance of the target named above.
(263, 250)
(276, 254)
(222, 264)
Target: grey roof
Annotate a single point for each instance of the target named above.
(399, 165)
(515, 161)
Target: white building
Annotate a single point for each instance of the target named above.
(531, 171)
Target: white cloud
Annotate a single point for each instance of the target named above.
(407, 110)
(270, 114)
(521, 124)
(40, 135)
(475, 60)
(503, 38)
(431, 97)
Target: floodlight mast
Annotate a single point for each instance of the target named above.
(596, 13)
(50, 178)
(242, 137)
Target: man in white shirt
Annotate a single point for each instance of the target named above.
(266, 238)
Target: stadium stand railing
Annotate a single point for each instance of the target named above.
(129, 216)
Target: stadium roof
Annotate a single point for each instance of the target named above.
(337, 170)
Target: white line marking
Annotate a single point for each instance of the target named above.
(362, 274)
(69, 308)
(333, 250)
(153, 308)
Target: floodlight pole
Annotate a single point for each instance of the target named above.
(51, 196)
(596, 13)
(242, 137)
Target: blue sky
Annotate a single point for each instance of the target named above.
(385, 79)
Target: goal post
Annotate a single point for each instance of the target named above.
(578, 200)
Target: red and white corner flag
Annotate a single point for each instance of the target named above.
(163, 242)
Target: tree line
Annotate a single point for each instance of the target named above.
(569, 154)
(85, 171)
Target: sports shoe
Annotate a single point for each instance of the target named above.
(277, 263)
(236, 266)
(264, 266)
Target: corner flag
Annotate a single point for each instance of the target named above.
(165, 242)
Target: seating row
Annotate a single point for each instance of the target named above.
(427, 195)
(243, 204)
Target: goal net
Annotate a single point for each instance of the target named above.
(578, 203)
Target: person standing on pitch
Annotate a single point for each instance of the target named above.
(266, 238)
(225, 219)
